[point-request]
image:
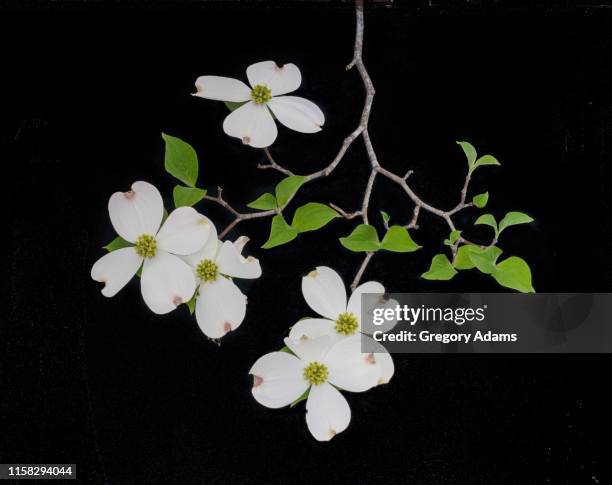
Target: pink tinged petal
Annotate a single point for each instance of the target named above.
(232, 263)
(209, 250)
(350, 369)
(166, 282)
(222, 89)
(324, 292)
(278, 379)
(312, 328)
(220, 307)
(299, 114)
(327, 412)
(115, 269)
(280, 79)
(136, 212)
(310, 350)
(386, 366)
(252, 124)
(184, 232)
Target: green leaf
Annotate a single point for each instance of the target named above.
(488, 220)
(312, 216)
(280, 233)
(385, 217)
(286, 349)
(440, 269)
(514, 273)
(264, 202)
(481, 200)
(233, 105)
(287, 187)
(470, 152)
(485, 259)
(398, 240)
(117, 243)
(363, 238)
(303, 397)
(513, 219)
(181, 160)
(187, 196)
(454, 235)
(462, 258)
(485, 160)
(191, 303)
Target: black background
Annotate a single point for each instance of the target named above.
(86, 90)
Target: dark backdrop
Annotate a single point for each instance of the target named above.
(87, 88)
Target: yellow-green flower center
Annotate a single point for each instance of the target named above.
(207, 270)
(346, 324)
(316, 373)
(261, 94)
(146, 246)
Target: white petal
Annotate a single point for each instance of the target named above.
(232, 263)
(312, 328)
(280, 80)
(310, 350)
(386, 366)
(324, 292)
(220, 307)
(354, 307)
(349, 369)
(278, 379)
(299, 114)
(253, 124)
(166, 282)
(327, 412)
(115, 269)
(354, 304)
(210, 248)
(240, 243)
(222, 89)
(136, 212)
(184, 232)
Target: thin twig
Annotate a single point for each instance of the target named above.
(343, 213)
(273, 165)
(362, 268)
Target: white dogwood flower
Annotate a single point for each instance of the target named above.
(318, 364)
(252, 122)
(167, 281)
(220, 305)
(325, 293)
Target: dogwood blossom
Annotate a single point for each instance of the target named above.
(253, 122)
(323, 366)
(166, 281)
(220, 305)
(325, 293)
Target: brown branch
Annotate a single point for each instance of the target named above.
(343, 213)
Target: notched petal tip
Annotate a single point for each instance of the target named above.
(370, 359)
(227, 327)
(129, 194)
(257, 381)
(177, 300)
(313, 274)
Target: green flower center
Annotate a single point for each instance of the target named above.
(346, 324)
(146, 245)
(316, 373)
(261, 94)
(207, 270)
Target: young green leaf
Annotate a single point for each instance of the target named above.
(286, 349)
(462, 258)
(363, 238)
(287, 187)
(181, 160)
(117, 243)
(488, 220)
(470, 152)
(454, 236)
(485, 160)
(385, 217)
(513, 219)
(312, 216)
(398, 240)
(264, 202)
(485, 259)
(191, 304)
(233, 105)
(280, 233)
(481, 200)
(187, 196)
(514, 273)
(440, 269)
